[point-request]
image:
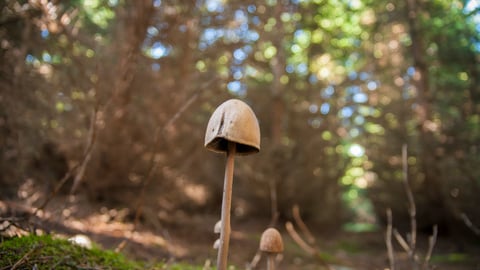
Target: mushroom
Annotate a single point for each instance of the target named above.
(216, 229)
(271, 243)
(232, 129)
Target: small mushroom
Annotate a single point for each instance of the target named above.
(216, 244)
(218, 227)
(232, 129)
(271, 244)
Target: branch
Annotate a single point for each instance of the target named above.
(411, 203)
(303, 227)
(298, 239)
(72, 170)
(88, 151)
(431, 243)
(470, 224)
(388, 240)
(401, 241)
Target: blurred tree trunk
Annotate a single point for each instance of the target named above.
(426, 127)
(114, 138)
(277, 111)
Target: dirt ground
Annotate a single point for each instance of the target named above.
(179, 236)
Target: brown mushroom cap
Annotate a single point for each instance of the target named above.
(271, 241)
(233, 121)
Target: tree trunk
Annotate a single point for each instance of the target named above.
(433, 184)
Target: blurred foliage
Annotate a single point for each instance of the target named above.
(338, 87)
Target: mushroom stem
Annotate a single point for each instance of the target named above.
(271, 262)
(226, 205)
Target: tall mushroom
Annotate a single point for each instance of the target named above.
(232, 129)
(271, 243)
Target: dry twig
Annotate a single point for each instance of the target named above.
(469, 224)
(410, 245)
(299, 240)
(401, 241)
(431, 243)
(412, 210)
(303, 227)
(71, 171)
(87, 153)
(388, 240)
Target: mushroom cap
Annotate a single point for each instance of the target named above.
(233, 121)
(271, 241)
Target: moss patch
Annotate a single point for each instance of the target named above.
(47, 252)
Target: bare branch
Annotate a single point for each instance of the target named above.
(303, 227)
(411, 204)
(431, 243)
(401, 241)
(388, 240)
(273, 201)
(299, 240)
(72, 170)
(470, 224)
(88, 152)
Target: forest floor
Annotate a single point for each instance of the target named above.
(183, 237)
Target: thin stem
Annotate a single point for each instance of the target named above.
(274, 201)
(271, 262)
(226, 205)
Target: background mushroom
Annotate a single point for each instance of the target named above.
(271, 244)
(232, 129)
(217, 229)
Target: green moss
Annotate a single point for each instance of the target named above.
(47, 252)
